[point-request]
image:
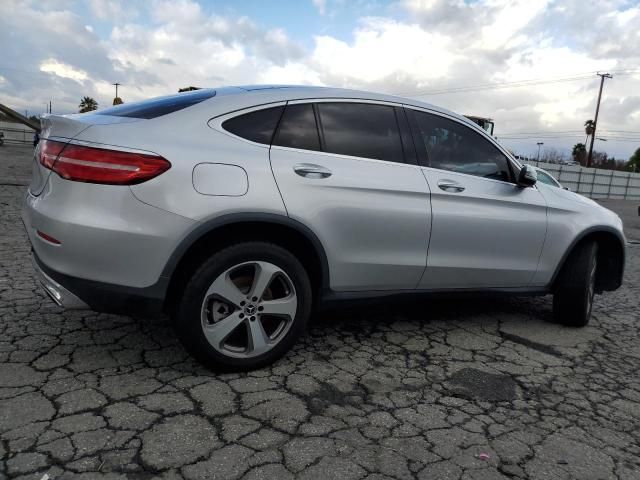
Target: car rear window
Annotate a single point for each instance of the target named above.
(156, 107)
(257, 126)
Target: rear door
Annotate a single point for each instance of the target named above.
(486, 231)
(348, 171)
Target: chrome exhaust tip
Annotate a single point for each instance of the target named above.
(60, 295)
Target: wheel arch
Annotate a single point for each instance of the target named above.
(226, 230)
(611, 256)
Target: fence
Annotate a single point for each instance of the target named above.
(13, 135)
(593, 182)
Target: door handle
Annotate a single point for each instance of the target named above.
(311, 170)
(450, 186)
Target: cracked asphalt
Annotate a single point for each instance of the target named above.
(483, 388)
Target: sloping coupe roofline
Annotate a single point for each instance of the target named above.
(291, 92)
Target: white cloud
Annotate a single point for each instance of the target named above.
(63, 70)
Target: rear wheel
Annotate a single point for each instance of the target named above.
(244, 307)
(573, 298)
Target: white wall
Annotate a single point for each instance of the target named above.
(593, 182)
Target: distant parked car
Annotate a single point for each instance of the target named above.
(240, 210)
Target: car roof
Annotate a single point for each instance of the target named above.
(295, 92)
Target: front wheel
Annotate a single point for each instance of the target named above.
(573, 298)
(244, 307)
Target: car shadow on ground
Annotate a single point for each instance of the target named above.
(428, 308)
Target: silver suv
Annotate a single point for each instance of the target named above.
(240, 210)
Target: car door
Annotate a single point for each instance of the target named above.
(342, 170)
(487, 232)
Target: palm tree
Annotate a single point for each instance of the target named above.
(87, 104)
(579, 153)
(589, 127)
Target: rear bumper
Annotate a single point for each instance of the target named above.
(103, 233)
(60, 295)
(78, 293)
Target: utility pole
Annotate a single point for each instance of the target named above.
(539, 145)
(595, 121)
(116, 85)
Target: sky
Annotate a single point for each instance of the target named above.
(528, 64)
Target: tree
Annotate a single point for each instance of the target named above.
(551, 155)
(599, 160)
(634, 161)
(117, 101)
(87, 104)
(579, 153)
(589, 127)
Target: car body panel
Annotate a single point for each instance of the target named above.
(106, 234)
(489, 235)
(373, 217)
(570, 215)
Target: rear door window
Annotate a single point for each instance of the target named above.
(449, 145)
(298, 128)
(157, 107)
(361, 130)
(257, 126)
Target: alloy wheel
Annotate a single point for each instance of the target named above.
(248, 309)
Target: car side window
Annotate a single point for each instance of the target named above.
(452, 146)
(361, 130)
(298, 128)
(258, 126)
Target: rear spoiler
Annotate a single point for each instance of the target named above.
(61, 126)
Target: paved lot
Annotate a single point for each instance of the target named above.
(473, 389)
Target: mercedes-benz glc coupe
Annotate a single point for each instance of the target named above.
(240, 210)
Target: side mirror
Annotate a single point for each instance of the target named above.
(527, 177)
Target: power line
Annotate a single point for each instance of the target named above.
(491, 86)
(512, 84)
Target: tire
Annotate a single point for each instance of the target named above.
(573, 298)
(244, 307)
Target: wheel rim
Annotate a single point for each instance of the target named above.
(248, 309)
(592, 287)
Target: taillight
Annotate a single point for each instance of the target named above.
(49, 151)
(98, 165)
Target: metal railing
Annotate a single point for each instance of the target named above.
(594, 182)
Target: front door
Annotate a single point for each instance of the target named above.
(487, 232)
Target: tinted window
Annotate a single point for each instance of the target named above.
(361, 130)
(452, 146)
(257, 126)
(298, 128)
(157, 107)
